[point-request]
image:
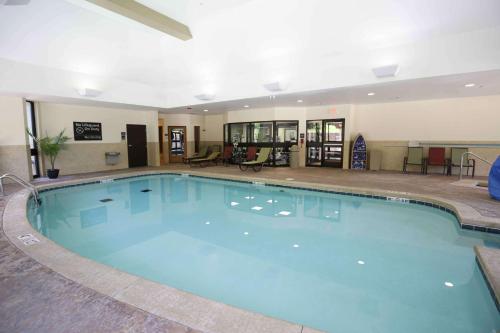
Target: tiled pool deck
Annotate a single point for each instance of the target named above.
(60, 304)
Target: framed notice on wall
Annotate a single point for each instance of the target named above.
(85, 131)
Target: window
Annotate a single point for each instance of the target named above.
(262, 132)
(286, 131)
(315, 131)
(239, 132)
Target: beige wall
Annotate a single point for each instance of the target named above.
(14, 152)
(88, 156)
(390, 127)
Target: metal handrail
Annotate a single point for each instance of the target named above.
(22, 182)
(469, 153)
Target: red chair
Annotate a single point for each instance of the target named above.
(251, 153)
(228, 155)
(437, 158)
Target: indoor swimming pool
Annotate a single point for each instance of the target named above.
(334, 262)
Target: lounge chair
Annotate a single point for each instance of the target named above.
(437, 158)
(415, 157)
(259, 162)
(201, 154)
(456, 157)
(203, 162)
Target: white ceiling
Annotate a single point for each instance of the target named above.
(451, 86)
(238, 45)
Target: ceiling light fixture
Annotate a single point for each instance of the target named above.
(386, 71)
(371, 94)
(299, 101)
(205, 97)
(205, 110)
(88, 92)
(469, 85)
(275, 86)
(246, 106)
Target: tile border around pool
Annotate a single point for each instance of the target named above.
(188, 309)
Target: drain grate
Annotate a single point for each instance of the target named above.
(146, 190)
(106, 200)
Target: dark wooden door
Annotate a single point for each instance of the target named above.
(197, 139)
(137, 146)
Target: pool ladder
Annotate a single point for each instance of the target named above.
(476, 156)
(33, 190)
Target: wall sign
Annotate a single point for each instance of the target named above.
(87, 131)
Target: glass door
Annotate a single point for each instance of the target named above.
(31, 122)
(325, 143)
(314, 143)
(333, 145)
(177, 143)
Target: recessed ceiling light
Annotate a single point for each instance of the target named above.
(448, 284)
(207, 222)
(205, 110)
(470, 85)
(245, 233)
(299, 101)
(245, 106)
(296, 245)
(371, 93)
(257, 208)
(361, 262)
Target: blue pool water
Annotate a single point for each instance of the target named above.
(333, 262)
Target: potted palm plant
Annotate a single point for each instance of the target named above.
(50, 147)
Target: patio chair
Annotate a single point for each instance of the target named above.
(201, 154)
(454, 161)
(437, 158)
(203, 162)
(415, 157)
(251, 153)
(228, 155)
(259, 162)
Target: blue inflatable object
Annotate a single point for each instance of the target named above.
(494, 180)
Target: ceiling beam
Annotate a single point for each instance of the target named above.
(145, 15)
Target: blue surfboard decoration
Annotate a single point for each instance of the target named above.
(359, 155)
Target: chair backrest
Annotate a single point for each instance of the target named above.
(251, 153)
(228, 152)
(203, 151)
(213, 155)
(264, 154)
(456, 155)
(214, 148)
(415, 155)
(436, 156)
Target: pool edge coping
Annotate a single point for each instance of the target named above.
(185, 308)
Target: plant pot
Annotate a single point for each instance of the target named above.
(52, 173)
